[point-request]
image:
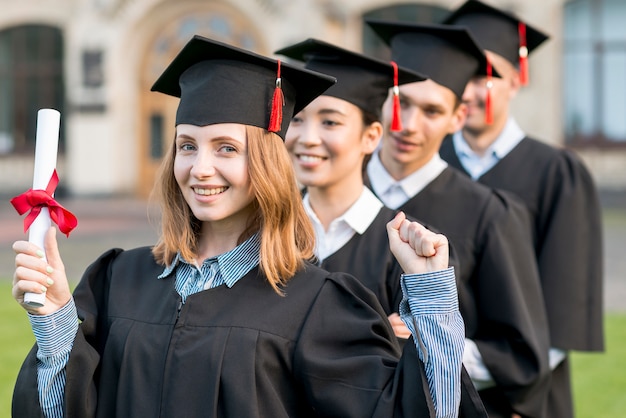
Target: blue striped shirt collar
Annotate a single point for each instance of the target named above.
(233, 264)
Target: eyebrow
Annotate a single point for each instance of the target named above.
(214, 139)
(433, 106)
(328, 111)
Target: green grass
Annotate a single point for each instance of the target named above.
(16, 339)
(599, 379)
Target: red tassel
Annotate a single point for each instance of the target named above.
(488, 106)
(278, 101)
(396, 121)
(523, 55)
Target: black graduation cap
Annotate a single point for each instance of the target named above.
(446, 54)
(499, 32)
(361, 80)
(220, 83)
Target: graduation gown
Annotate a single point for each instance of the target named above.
(497, 277)
(368, 257)
(240, 352)
(566, 223)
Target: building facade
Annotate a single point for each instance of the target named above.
(95, 60)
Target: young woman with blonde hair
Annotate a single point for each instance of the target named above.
(225, 316)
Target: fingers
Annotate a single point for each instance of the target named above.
(418, 237)
(33, 273)
(394, 224)
(23, 286)
(31, 265)
(52, 249)
(399, 328)
(393, 227)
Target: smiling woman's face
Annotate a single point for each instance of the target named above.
(326, 142)
(211, 169)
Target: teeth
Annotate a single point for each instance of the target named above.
(310, 158)
(210, 192)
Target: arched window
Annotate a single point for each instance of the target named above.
(411, 13)
(217, 21)
(31, 78)
(594, 86)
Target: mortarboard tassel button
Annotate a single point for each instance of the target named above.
(278, 101)
(396, 121)
(488, 105)
(523, 55)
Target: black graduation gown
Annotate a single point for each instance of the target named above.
(565, 215)
(368, 257)
(240, 352)
(497, 277)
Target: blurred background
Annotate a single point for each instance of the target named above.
(95, 60)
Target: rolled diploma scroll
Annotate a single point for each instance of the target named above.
(46, 146)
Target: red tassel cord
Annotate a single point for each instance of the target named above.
(523, 55)
(396, 121)
(488, 105)
(34, 200)
(278, 101)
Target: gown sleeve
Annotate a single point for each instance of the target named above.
(80, 388)
(513, 336)
(348, 360)
(570, 250)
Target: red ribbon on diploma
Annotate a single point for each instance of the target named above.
(34, 200)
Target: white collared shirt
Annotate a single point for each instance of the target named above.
(477, 165)
(355, 220)
(395, 193)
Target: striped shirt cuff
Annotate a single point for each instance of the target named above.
(431, 293)
(430, 311)
(55, 332)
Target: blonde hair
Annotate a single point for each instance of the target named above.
(286, 233)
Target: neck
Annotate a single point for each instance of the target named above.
(217, 238)
(399, 170)
(479, 140)
(329, 203)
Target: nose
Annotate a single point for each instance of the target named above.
(471, 89)
(203, 165)
(306, 134)
(410, 120)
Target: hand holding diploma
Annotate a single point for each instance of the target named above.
(36, 275)
(40, 201)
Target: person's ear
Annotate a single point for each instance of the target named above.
(459, 116)
(371, 137)
(515, 84)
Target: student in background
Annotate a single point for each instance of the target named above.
(552, 183)
(328, 142)
(506, 350)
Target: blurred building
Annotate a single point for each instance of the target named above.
(95, 60)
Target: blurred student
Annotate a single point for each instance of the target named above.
(552, 183)
(506, 350)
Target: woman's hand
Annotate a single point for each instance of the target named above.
(417, 249)
(34, 274)
(399, 328)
